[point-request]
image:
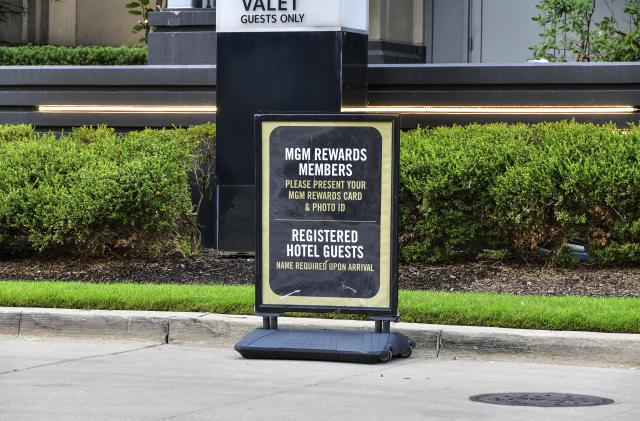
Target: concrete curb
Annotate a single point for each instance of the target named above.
(225, 330)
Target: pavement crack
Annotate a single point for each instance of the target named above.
(88, 357)
(438, 343)
(19, 324)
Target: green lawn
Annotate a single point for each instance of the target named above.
(473, 309)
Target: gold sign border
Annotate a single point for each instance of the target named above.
(382, 300)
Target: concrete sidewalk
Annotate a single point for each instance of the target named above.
(605, 349)
(59, 379)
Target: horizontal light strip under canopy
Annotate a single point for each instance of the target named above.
(609, 109)
(146, 109)
(208, 109)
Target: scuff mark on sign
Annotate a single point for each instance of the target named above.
(291, 293)
(349, 288)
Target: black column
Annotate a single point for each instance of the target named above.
(274, 72)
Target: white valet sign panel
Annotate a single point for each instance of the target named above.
(292, 15)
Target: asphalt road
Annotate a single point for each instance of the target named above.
(80, 380)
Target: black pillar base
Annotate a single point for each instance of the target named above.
(186, 36)
(325, 345)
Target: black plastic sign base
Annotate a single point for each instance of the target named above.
(325, 345)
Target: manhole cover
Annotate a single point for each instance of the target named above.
(541, 399)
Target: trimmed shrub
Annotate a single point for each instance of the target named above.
(445, 176)
(478, 191)
(16, 133)
(94, 191)
(498, 190)
(50, 55)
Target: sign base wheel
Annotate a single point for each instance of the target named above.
(407, 354)
(386, 357)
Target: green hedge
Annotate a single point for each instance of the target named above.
(478, 191)
(44, 55)
(93, 191)
(498, 190)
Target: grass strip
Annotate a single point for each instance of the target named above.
(471, 309)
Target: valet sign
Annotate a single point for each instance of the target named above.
(291, 15)
(327, 213)
(271, 12)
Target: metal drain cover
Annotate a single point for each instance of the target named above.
(544, 400)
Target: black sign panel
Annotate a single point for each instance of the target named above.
(327, 213)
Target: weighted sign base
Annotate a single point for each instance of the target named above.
(325, 345)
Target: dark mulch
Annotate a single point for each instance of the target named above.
(523, 279)
(211, 267)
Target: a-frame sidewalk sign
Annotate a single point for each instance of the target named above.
(327, 217)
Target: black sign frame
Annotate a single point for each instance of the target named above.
(388, 311)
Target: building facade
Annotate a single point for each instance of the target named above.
(400, 31)
(71, 23)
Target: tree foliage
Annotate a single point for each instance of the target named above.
(142, 8)
(570, 31)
